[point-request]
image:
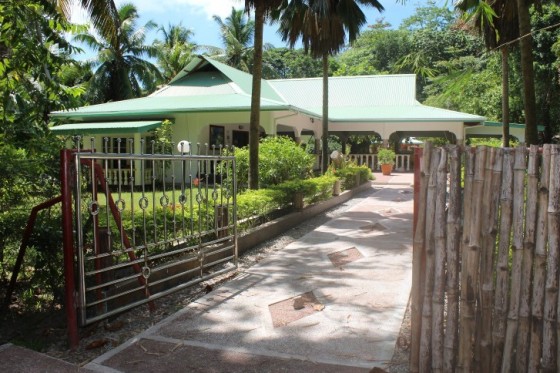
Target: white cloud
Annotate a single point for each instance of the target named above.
(207, 8)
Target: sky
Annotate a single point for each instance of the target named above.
(197, 16)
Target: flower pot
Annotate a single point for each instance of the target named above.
(386, 169)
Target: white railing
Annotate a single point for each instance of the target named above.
(369, 160)
(402, 161)
(115, 176)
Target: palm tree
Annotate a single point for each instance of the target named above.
(527, 70)
(498, 32)
(176, 49)
(101, 12)
(237, 34)
(121, 72)
(263, 9)
(322, 26)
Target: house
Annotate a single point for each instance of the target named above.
(209, 103)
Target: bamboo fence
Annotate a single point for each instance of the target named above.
(485, 262)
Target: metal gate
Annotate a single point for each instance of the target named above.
(148, 223)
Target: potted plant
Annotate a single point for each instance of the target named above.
(386, 158)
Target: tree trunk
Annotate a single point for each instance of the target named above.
(325, 138)
(505, 96)
(526, 49)
(254, 122)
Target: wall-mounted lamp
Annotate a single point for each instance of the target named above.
(312, 120)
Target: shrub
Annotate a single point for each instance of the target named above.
(280, 159)
(348, 175)
(385, 156)
(314, 189)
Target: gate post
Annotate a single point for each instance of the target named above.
(418, 152)
(68, 248)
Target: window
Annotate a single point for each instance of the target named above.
(217, 136)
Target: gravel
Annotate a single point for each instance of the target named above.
(103, 336)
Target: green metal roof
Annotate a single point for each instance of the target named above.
(400, 113)
(164, 106)
(105, 127)
(350, 91)
(242, 80)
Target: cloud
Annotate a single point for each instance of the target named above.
(206, 8)
(210, 8)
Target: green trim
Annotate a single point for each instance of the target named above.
(511, 125)
(159, 107)
(105, 128)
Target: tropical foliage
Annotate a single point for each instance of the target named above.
(175, 51)
(295, 162)
(236, 32)
(121, 71)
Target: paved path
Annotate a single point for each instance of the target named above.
(332, 301)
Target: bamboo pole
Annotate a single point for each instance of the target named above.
(451, 343)
(439, 264)
(539, 276)
(550, 343)
(465, 343)
(502, 265)
(426, 332)
(418, 260)
(484, 200)
(471, 261)
(519, 169)
(491, 199)
(531, 203)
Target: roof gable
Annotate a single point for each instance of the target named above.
(206, 72)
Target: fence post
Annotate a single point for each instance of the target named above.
(68, 248)
(419, 254)
(417, 172)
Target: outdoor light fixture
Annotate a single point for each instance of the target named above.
(184, 146)
(335, 154)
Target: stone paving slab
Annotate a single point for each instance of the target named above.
(357, 310)
(15, 359)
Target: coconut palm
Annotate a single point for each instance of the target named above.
(101, 12)
(527, 70)
(176, 49)
(497, 32)
(121, 72)
(236, 32)
(323, 27)
(263, 9)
